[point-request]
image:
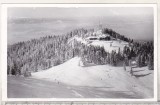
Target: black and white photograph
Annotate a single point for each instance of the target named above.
(81, 52)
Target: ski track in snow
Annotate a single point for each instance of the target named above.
(77, 94)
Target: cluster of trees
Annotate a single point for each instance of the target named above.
(116, 35)
(40, 54)
(96, 54)
(144, 53)
(43, 53)
(37, 54)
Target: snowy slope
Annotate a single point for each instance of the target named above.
(115, 78)
(109, 46)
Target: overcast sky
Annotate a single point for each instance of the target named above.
(134, 22)
(48, 12)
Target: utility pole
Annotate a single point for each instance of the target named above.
(100, 25)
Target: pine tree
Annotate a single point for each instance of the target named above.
(150, 62)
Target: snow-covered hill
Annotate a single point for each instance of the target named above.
(115, 78)
(109, 45)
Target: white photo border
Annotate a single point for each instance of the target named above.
(3, 44)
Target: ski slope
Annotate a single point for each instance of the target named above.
(114, 78)
(109, 46)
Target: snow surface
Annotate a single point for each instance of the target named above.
(109, 46)
(115, 78)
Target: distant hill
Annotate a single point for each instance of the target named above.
(103, 46)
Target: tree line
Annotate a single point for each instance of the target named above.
(40, 54)
(49, 51)
(116, 35)
(143, 52)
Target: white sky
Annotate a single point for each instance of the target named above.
(48, 12)
(134, 22)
